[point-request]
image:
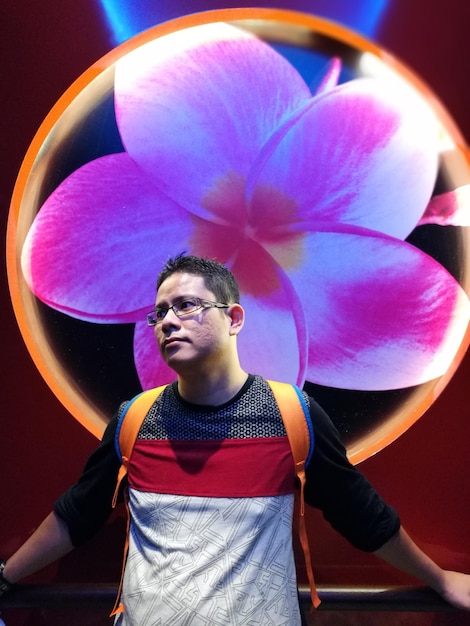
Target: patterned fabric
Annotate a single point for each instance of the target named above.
(224, 561)
(211, 499)
(254, 414)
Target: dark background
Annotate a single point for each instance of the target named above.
(44, 47)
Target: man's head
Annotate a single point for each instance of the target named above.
(197, 316)
(217, 278)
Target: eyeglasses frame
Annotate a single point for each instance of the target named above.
(202, 304)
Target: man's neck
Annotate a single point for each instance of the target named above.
(213, 389)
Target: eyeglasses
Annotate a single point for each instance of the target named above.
(182, 308)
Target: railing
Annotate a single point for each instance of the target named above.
(338, 598)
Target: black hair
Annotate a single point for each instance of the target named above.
(217, 278)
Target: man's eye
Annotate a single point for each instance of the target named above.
(160, 313)
(186, 305)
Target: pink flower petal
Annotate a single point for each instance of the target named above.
(382, 314)
(273, 341)
(364, 153)
(268, 343)
(99, 240)
(330, 80)
(449, 209)
(196, 106)
(151, 368)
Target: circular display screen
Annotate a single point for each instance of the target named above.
(321, 170)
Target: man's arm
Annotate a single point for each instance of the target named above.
(49, 542)
(402, 552)
(357, 511)
(77, 514)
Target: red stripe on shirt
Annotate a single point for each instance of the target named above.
(227, 468)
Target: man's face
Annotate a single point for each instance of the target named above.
(199, 339)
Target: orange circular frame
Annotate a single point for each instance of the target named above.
(275, 26)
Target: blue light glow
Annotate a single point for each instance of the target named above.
(127, 18)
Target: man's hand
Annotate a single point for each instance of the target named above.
(455, 589)
(402, 552)
(48, 543)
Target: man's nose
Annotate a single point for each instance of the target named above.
(170, 319)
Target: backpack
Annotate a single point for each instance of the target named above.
(297, 424)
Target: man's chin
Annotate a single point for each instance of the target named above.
(178, 362)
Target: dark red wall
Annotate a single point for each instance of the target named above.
(45, 46)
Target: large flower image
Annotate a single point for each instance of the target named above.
(307, 197)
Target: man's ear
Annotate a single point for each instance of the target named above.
(237, 316)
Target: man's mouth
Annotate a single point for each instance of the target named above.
(172, 341)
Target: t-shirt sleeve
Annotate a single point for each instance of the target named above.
(343, 494)
(86, 505)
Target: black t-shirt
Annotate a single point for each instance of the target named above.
(337, 488)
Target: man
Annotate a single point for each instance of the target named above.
(211, 482)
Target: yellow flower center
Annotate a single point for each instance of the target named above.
(255, 239)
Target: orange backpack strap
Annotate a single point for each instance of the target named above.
(126, 434)
(296, 418)
(128, 429)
